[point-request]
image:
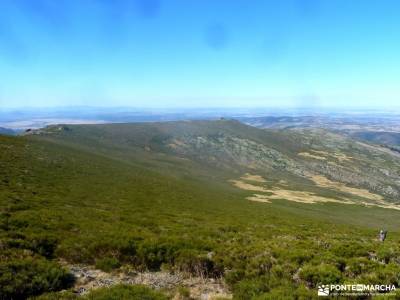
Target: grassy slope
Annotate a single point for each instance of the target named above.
(226, 149)
(149, 209)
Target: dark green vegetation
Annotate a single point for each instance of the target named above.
(156, 196)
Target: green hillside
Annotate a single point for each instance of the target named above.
(175, 197)
(233, 147)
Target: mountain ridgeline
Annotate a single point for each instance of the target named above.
(6, 131)
(230, 146)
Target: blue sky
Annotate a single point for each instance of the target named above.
(196, 53)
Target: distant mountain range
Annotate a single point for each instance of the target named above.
(7, 131)
(378, 129)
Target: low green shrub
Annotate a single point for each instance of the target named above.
(184, 293)
(287, 293)
(24, 277)
(248, 289)
(152, 254)
(197, 264)
(44, 245)
(321, 274)
(386, 254)
(346, 250)
(358, 266)
(125, 292)
(64, 295)
(107, 264)
(234, 276)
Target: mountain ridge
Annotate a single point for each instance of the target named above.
(233, 146)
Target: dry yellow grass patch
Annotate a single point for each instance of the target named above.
(325, 182)
(321, 152)
(309, 155)
(259, 198)
(251, 177)
(302, 197)
(342, 157)
(378, 200)
(323, 155)
(382, 204)
(277, 193)
(248, 187)
(338, 155)
(177, 144)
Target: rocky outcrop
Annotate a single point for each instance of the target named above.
(89, 278)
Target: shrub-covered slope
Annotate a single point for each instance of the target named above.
(119, 195)
(232, 146)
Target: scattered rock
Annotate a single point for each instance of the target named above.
(89, 278)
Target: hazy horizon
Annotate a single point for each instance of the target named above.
(34, 117)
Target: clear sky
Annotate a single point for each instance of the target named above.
(192, 53)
